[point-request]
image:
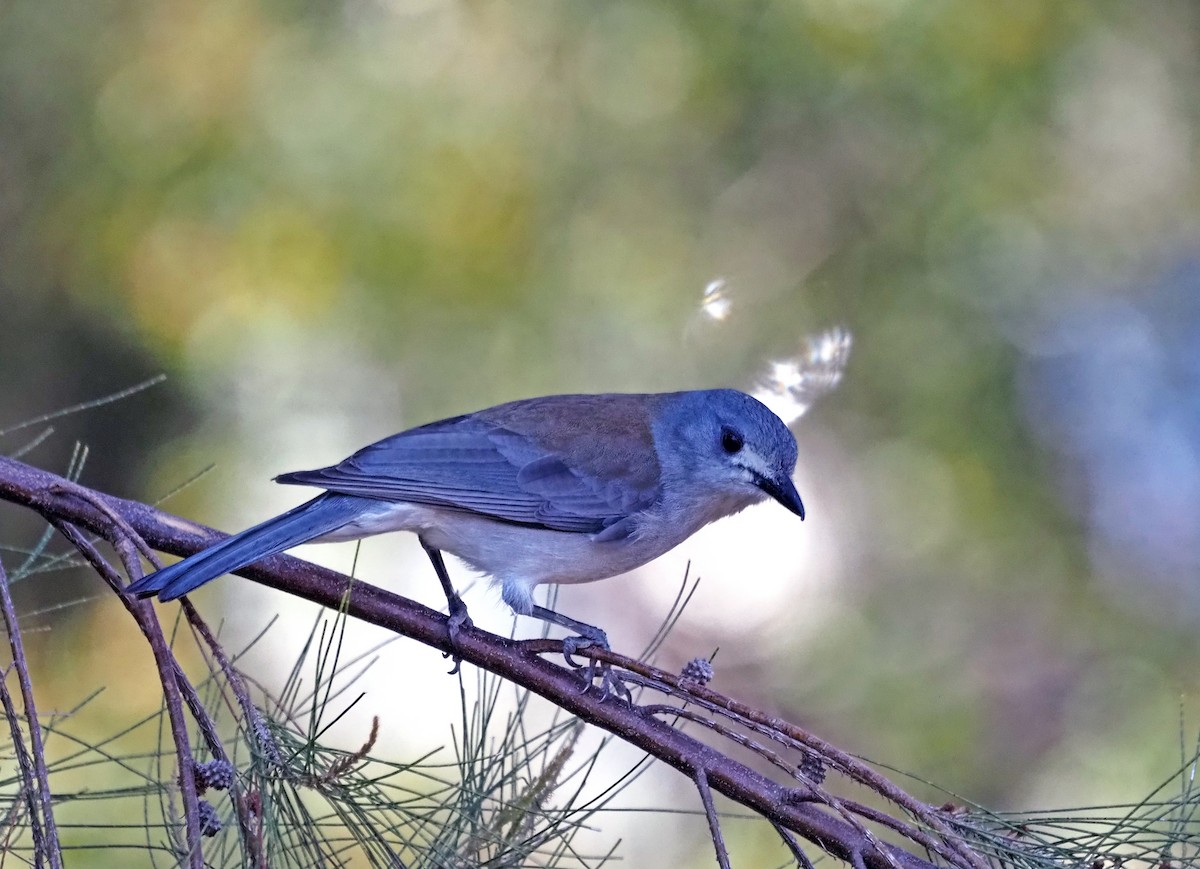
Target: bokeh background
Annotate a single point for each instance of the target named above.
(328, 222)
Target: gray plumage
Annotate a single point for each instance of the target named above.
(565, 488)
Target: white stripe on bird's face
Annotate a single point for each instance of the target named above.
(752, 464)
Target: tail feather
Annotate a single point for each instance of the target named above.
(310, 520)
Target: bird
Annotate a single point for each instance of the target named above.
(554, 489)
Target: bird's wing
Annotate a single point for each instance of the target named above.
(567, 463)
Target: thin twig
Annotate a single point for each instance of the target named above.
(128, 543)
(28, 783)
(789, 734)
(50, 843)
(87, 405)
(166, 665)
(811, 793)
(233, 678)
(124, 540)
(908, 831)
(797, 852)
(714, 823)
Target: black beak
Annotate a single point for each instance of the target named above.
(783, 490)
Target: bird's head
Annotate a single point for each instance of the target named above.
(727, 445)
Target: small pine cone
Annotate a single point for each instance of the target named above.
(267, 746)
(216, 774)
(698, 670)
(812, 768)
(210, 822)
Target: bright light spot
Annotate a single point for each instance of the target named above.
(715, 303)
(786, 374)
(793, 385)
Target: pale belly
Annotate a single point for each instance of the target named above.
(517, 558)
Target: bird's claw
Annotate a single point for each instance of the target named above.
(572, 645)
(459, 618)
(610, 682)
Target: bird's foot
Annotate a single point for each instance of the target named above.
(588, 636)
(459, 618)
(610, 681)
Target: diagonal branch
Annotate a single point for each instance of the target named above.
(50, 843)
(128, 544)
(519, 662)
(798, 854)
(714, 823)
(168, 674)
(29, 785)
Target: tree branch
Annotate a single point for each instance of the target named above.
(521, 663)
(128, 543)
(168, 674)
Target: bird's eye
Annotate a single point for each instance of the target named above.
(731, 441)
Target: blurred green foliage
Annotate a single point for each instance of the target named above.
(329, 221)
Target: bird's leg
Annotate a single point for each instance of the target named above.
(458, 609)
(588, 635)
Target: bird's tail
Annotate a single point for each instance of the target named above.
(321, 515)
